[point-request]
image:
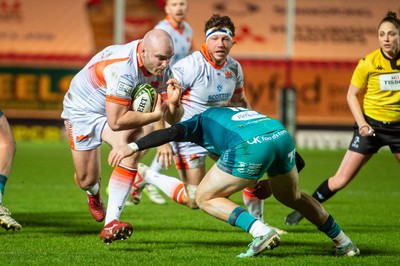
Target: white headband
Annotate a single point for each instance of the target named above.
(223, 31)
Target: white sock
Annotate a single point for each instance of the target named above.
(119, 186)
(341, 239)
(155, 165)
(254, 205)
(167, 184)
(94, 189)
(259, 229)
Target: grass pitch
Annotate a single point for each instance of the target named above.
(58, 229)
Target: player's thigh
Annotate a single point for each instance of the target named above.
(87, 164)
(218, 183)
(192, 176)
(190, 161)
(285, 187)
(116, 138)
(148, 129)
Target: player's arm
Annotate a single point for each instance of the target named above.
(173, 113)
(352, 100)
(120, 117)
(239, 100)
(176, 132)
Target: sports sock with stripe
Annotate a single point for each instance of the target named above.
(171, 186)
(119, 186)
(255, 206)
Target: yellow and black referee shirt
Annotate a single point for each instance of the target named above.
(380, 76)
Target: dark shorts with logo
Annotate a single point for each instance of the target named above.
(386, 134)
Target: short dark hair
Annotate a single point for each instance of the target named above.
(217, 21)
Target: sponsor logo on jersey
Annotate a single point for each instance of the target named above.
(228, 75)
(390, 82)
(221, 97)
(247, 115)
(123, 89)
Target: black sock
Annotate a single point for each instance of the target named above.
(323, 192)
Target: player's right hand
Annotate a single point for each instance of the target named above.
(118, 153)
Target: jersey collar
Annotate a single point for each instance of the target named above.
(393, 62)
(140, 61)
(205, 53)
(175, 25)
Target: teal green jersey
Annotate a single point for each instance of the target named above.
(219, 128)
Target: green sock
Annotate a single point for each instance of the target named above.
(241, 218)
(3, 181)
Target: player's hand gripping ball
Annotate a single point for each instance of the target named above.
(144, 98)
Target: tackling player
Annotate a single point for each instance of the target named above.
(248, 145)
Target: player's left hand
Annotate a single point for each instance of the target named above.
(174, 91)
(118, 153)
(165, 155)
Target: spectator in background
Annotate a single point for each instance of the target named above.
(97, 108)
(7, 152)
(182, 35)
(378, 122)
(176, 26)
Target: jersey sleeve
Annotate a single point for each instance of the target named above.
(240, 79)
(120, 83)
(360, 74)
(186, 72)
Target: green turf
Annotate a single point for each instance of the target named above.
(58, 229)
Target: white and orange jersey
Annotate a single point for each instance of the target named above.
(182, 37)
(205, 84)
(111, 75)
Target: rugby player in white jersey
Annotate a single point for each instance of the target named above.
(182, 35)
(97, 108)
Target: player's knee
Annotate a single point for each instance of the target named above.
(191, 201)
(84, 182)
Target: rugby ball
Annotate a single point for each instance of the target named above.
(144, 98)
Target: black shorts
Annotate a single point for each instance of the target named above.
(386, 134)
